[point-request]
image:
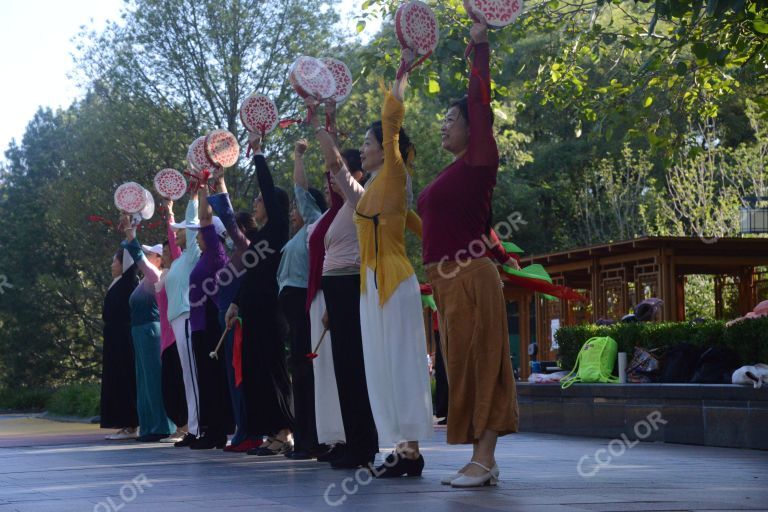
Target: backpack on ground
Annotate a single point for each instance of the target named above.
(679, 363)
(595, 362)
(716, 366)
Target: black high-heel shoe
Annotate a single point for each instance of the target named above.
(335, 453)
(353, 461)
(396, 465)
(209, 441)
(186, 441)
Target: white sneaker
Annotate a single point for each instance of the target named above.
(122, 434)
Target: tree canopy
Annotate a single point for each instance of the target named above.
(613, 118)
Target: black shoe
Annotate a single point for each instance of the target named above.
(209, 441)
(298, 455)
(272, 447)
(187, 441)
(335, 453)
(353, 461)
(443, 421)
(151, 438)
(396, 465)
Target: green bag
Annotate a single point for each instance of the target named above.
(594, 363)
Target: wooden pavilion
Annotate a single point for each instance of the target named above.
(617, 276)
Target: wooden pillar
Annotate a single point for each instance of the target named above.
(680, 298)
(524, 312)
(719, 297)
(597, 299)
(674, 307)
(746, 278)
(664, 269)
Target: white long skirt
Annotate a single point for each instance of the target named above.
(330, 428)
(396, 367)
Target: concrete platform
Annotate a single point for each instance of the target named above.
(49, 466)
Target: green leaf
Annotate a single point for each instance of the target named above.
(648, 101)
(434, 86)
(699, 50)
(760, 25)
(360, 26)
(681, 68)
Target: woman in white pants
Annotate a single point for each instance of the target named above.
(177, 288)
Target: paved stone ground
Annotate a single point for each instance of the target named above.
(50, 466)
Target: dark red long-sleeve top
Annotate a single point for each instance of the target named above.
(455, 208)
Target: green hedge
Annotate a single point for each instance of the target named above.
(24, 400)
(79, 400)
(749, 338)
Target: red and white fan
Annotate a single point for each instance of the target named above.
(170, 184)
(416, 27)
(130, 198)
(222, 148)
(148, 211)
(310, 77)
(498, 13)
(342, 76)
(259, 114)
(197, 156)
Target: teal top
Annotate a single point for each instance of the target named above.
(177, 278)
(294, 265)
(144, 304)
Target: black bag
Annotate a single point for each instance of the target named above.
(679, 363)
(644, 366)
(716, 365)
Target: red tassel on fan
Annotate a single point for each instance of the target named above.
(313, 355)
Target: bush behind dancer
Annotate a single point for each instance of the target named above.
(266, 383)
(392, 323)
(341, 289)
(118, 370)
(177, 290)
(292, 277)
(456, 210)
(154, 423)
(216, 417)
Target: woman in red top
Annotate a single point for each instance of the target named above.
(455, 210)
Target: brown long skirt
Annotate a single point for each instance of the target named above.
(475, 342)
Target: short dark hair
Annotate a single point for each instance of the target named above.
(463, 105)
(405, 142)
(352, 157)
(319, 199)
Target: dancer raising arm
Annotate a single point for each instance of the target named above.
(394, 344)
(473, 321)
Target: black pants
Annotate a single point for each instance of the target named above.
(174, 397)
(441, 381)
(342, 300)
(293, 306)
(266, 382)
(215, 407)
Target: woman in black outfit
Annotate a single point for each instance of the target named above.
(118, 375)
(266, 383)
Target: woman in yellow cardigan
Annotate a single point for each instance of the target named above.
(394, 343)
